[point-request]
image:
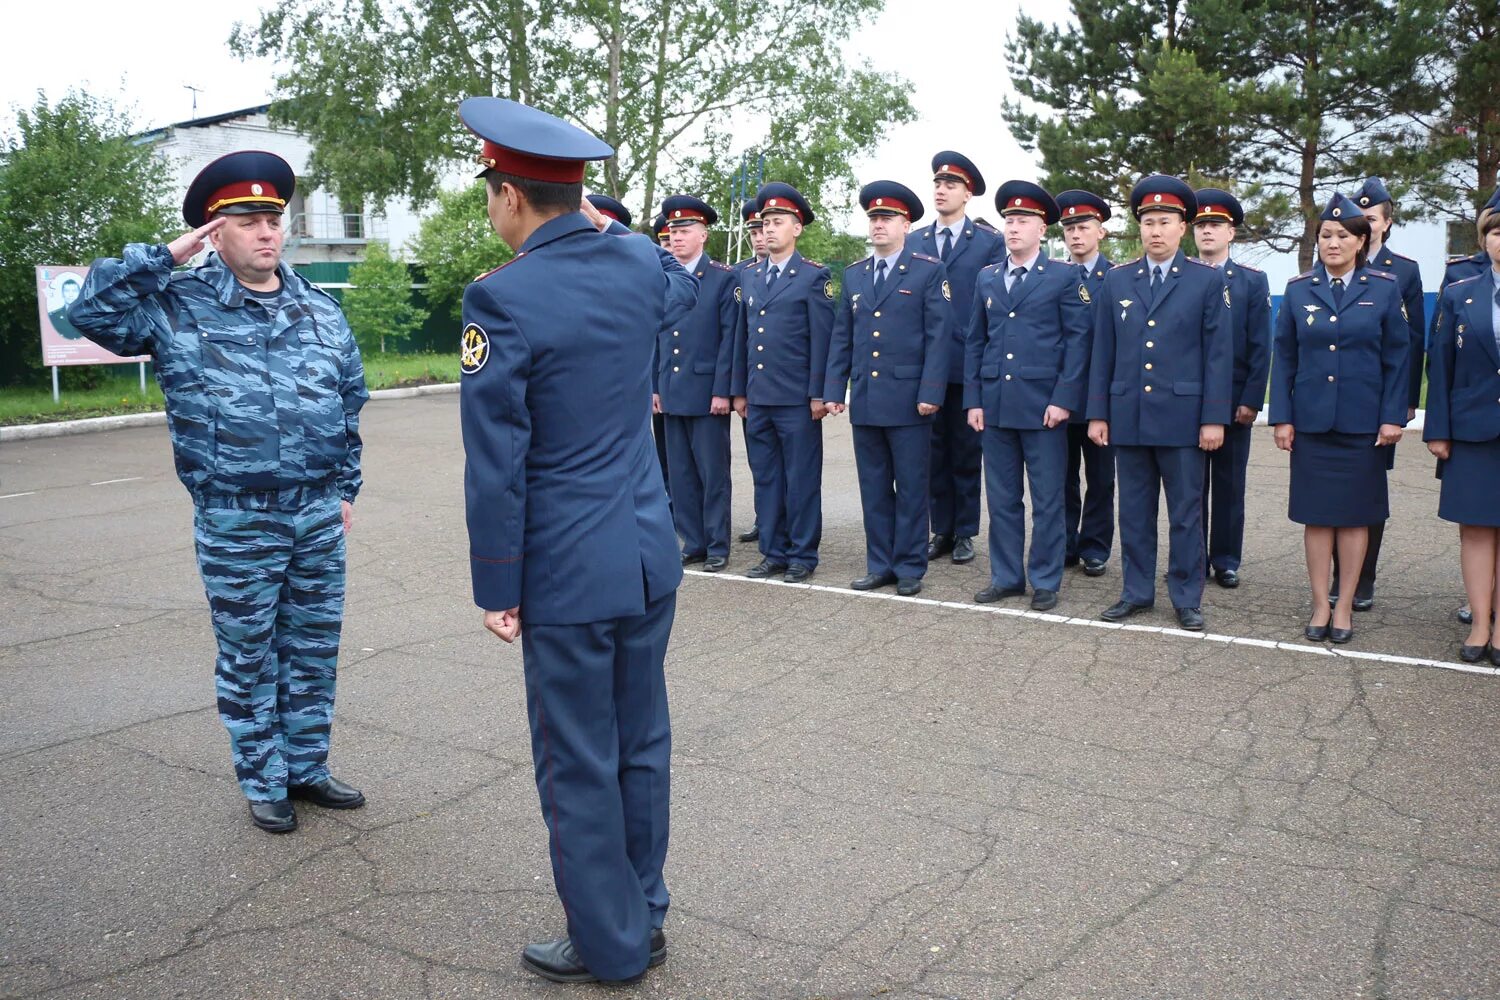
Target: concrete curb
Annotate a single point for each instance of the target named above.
(89, 425)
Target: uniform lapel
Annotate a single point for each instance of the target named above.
(1171, 274)
(898, 270)
(1033, 278)
(788, 268)
(960, 242)
(1140, 284)
(1479, 321)
(1322, 290)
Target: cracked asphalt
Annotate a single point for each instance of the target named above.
(872, 798)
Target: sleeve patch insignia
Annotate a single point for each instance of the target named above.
(1403, 313)
(1226, 297)
(947, 292)
(1083, 294)
(737, 291)
(474, 349)
(828, 289)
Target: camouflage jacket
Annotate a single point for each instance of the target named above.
(255, 402)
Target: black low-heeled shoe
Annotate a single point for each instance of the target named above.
(1473, 654)
(1340, 635)
(1495, 655)
(1317, 633)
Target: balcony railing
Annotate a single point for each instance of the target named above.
(334, 228)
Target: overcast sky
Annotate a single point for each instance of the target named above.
(145, 61)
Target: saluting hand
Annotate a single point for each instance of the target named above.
(505, 624)
(1055, 415)
(1211, 437)
(1389, 434)
(187, 246)
(595, 217)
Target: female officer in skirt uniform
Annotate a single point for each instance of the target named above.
(1338, 400)
(1463, 429)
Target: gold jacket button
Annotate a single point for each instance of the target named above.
(1148, 388)
(874, 374)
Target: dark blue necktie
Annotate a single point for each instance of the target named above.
(1155, 282)
(879, 276)
(947, 245)
(773, 275)
(1017, 275)
(1338, 291)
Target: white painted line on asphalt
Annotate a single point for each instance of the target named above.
(1176, 633)
(127, 479)
(12, 496)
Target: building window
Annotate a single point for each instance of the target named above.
(1461, 239)
(354, 221)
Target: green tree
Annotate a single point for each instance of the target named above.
(376, 85)
(1282, 101)
(378, 304)
(73, 186)
(455, 245)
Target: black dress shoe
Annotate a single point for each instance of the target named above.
(1340, 635)
(1465, 615)
(688, 560)
(1363, 603)
(1495, 655)
(1227, 578)
(1093, 567)
(872, 581)
(989, 595)
(940, 545)
(658, 947)
(558, 961)
(753, 535)
(910, 587)
(797, 574)
(274, 817)
(1044, 600)
(1317, 633)
(1190, 619)
(963, 551)
(765, 568)
(1473, 654)
(714, 564)
(1121, 610)
(330, 793)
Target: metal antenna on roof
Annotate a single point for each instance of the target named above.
(196, 91)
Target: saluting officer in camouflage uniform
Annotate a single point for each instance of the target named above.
(264, 385)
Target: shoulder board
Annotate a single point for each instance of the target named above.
(1246, 267)
(1457, 258)
(1399, 256)
(747, 265)
(981, 224)
(862, 260)
(1128, 263)
(1300, 277)
(1195, 260)
(721, 267)
(990, 267)
(926, 257)
(502, 267)
(811, 263)
(1464, 281)
(1388, 276)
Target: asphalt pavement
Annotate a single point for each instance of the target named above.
(872, 797)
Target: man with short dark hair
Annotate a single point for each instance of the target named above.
(263, 386)
(569, 531)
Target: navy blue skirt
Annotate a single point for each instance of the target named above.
(1338, 480)
(1471, 484)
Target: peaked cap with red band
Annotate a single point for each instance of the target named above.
(1159, 192)
(1027, 198)
(529, 143)
(890, 198)
(778, 197)
(1215, 205)
(242, 183)
(957, 165)
(682, 209)
(1075, 205)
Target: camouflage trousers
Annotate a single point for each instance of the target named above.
(273, 569)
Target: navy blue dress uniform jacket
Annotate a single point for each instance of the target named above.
(567, 514)
(1409, 278)
(1341, 369)
(1250, 326)
(977, 246)
(694, 356)
(1161, 368)
(891, 347)
(1463, 373)
(1028, 348)
(781, 340)
(1095, 284)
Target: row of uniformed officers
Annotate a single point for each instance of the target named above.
(959, 348)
